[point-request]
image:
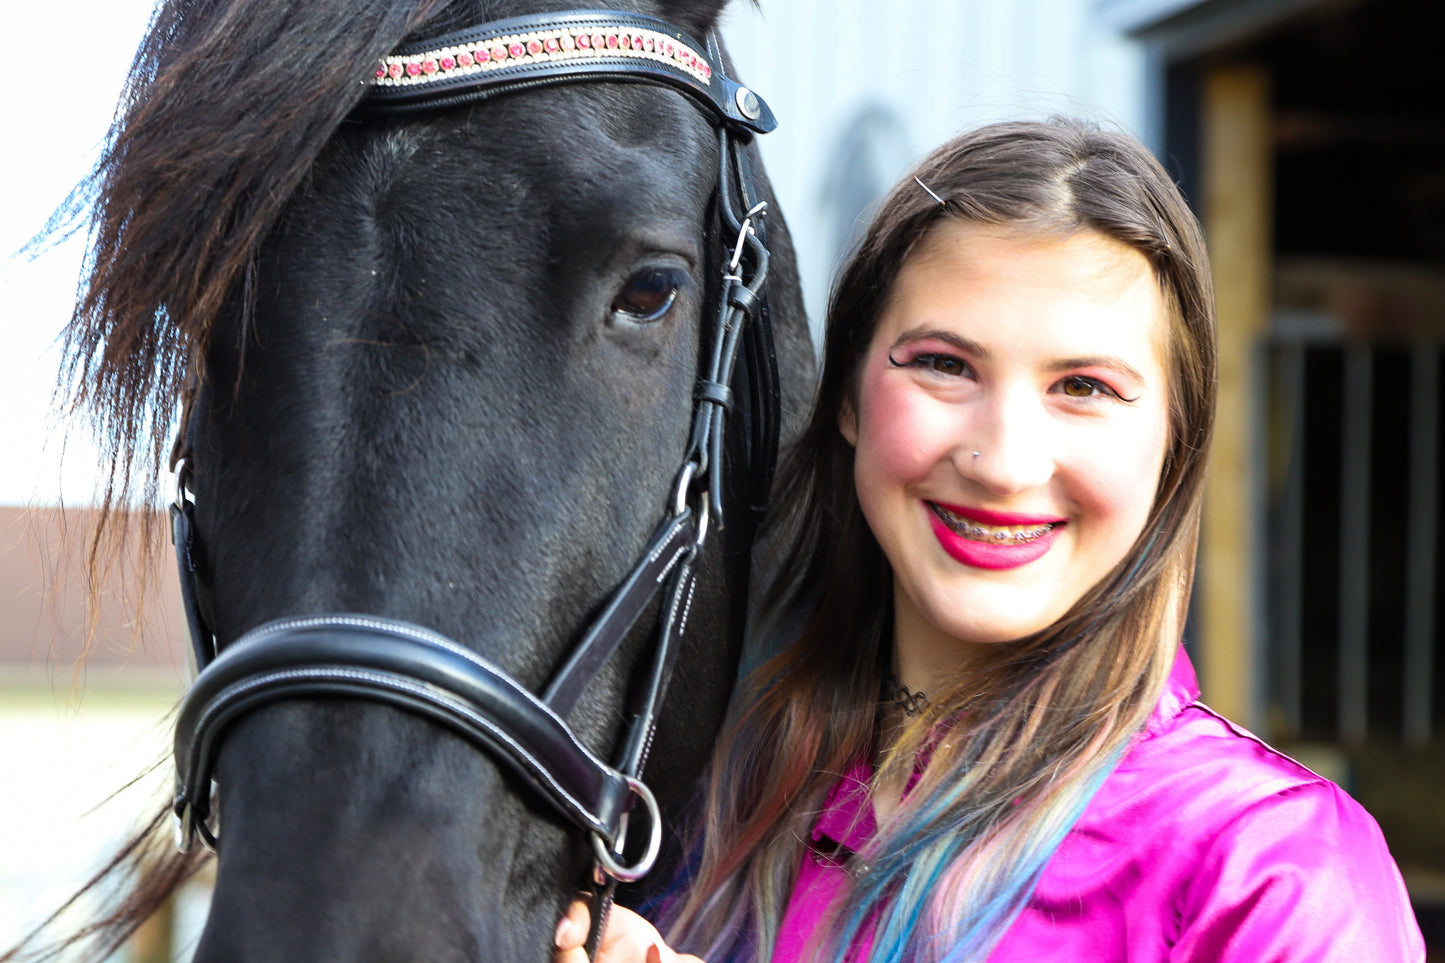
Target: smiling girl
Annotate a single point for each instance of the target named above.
(977, 736)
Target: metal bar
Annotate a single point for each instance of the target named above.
(1257, 478)
(1420, 523)
(1355, 544)
(1289, 551)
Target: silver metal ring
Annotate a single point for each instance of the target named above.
(704, 515)
(679, 492)
(184, 831)
(607, 859)
(183, 474)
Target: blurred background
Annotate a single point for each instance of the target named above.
(1307, 134)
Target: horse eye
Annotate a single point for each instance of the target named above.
(647, 295)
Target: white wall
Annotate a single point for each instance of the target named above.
(66, 759)
(54, 123)
(862, 89)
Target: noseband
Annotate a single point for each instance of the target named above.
(413, 668)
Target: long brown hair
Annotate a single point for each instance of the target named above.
(1048, 715)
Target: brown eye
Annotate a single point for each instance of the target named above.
(647, 295)
(1080, 387)
(944, 364)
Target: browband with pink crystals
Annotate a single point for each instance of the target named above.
(522, 52)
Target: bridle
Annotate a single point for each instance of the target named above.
(421, 671)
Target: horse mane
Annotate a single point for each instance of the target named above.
(225, 108)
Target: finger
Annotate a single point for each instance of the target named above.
(572, 930)
(629, 939)
(576, 954)
(662, 953)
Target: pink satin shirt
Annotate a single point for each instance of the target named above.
(1203, 845)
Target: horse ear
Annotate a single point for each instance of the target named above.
(697, 16)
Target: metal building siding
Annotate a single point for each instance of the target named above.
(889, 81)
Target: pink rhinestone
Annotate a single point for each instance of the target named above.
(381, 71)
(465, 59)
(707, 71)
(517, 50)
(534, 47)
(599, 42)
(395, 70)
(429, 65)
(613, 42)
(499, 53)
(552, 45)
(637, 42)
(584, 41)
(413, 69)
(626, 41)
(447, 63)
(482, 55)
(671, 50)
(568, 42)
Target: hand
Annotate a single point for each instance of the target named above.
(628, 939)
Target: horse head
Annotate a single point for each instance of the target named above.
(442, 372)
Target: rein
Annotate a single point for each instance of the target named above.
(413, 668)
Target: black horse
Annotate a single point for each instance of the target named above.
(439, 367)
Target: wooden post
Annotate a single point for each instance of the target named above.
(1238, 211)
(154, 941)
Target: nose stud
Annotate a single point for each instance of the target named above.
(975, 454)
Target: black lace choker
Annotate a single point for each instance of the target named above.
(898, 695)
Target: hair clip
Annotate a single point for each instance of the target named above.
(941, 201)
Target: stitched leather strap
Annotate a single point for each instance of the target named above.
(531, 51)
(382, 660)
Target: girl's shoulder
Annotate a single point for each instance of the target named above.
(1187, 750)
(1205, 843)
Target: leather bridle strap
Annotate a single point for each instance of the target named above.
(407, 667)
(504, 56)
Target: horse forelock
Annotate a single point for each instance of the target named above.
(228, 103)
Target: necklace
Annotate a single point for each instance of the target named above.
(898, 695)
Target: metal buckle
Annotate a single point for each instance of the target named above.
(187, 828)
(607, 859)
(182, 472)
(759, 210)
(681, 487)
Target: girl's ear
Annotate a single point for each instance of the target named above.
(848, 422)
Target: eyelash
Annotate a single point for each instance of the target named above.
(930, 361)
(1094, 384)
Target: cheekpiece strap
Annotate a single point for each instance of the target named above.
(573, 45)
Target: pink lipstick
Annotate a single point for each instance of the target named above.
(992, 540)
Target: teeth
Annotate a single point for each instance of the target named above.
(997, 534)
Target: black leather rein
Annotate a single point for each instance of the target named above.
(413, 668)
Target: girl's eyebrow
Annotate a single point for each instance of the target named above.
(1113, 362)
(967, 345)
